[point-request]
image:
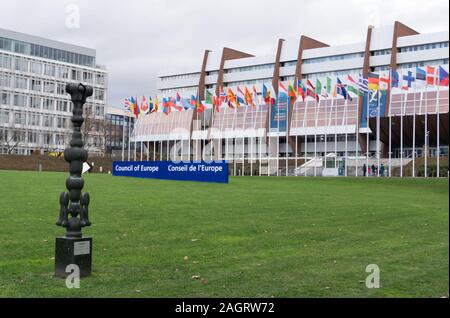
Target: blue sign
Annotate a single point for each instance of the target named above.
(279, 114)
(168, 170)
(373, 106)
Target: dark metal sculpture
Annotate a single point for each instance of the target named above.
(75, 202)
(73, 248)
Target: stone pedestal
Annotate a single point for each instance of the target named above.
(76, 251)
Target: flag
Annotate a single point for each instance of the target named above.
(341, 90)
(208, 98)
(421, 75)
(291, 92)
(394, 78)
(431, 75)
(311, 90)
(127, 105)
(199, 105)
(232, 99)
(166, 107)
(443, 76)
(374, 81)
(144, 106)
(240, 96)
(282, 88)
(409, 78)
(222, 95)
(255, 96)
(156, 104)
(383, 82)
(135, 107)
(248, 97)
(301, 89)
(363, 85)
(352, 86)
(265, 94)
(178, 97)
(329, 85)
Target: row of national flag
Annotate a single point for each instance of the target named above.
(352, 84)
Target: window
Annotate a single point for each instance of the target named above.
(49, 70)
(21, 65)
(32, 137)
(34, 119)
(47, 121)
(35, 85)
(4, 117)
(5, 98)
(48, 104)
(19, 118)
(99, 94)
(20, 82)
(61, 105)
(36, 68)
(49, 87)
(87, 77)
(100, 79)
(5, 80)
(5, 61)
(63, 72)
(35, 102)
(61, 89)
(19, 100)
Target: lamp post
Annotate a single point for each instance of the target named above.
(73, 248)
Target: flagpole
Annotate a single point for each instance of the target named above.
(287, 129)
(335, 134)
(414, 132)
(378, 132)
(426, 129)
(402, 102)
(129, 135)
(356, 135)
(437, 128)
(367, 134)
(390, 123)
(123, 138)
(278, 131)
(346, 134)
(316, 104)
(306, 135)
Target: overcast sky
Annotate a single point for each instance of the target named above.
(136, 38)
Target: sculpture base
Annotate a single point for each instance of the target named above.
(76, 251)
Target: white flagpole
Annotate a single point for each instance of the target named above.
(260, 139)
(414, 133)
(390, 125)
(140, 158)
(306, 135)
(426, 129)
(278, 132)
(288, 102)
(402, 103)
(356, 135)
(378, 132)
(344, 122)
(367, 133)
(154, 150)
(315, 134)
(335, 133)
(129, 141)
(123, 138)
(437, 126)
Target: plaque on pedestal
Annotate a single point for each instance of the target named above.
(76, 251)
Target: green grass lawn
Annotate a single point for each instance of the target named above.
(255, 237)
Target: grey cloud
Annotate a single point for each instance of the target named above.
(134, 39)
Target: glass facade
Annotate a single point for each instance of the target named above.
(46, 52)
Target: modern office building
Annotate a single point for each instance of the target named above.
(250, 137)
(35, 110)
(118, 127)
